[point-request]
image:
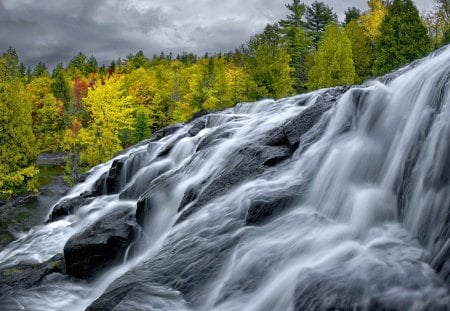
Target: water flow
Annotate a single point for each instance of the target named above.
(355, 215)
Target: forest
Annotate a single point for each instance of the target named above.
(92, 111)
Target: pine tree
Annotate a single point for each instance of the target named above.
(403, 37)
(332, 62)
(296, 42)
(352, 14)
(268, 64)
(318, 16)
(40, 70)
(141, 128)
(60, 86)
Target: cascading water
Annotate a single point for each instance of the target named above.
(337, 199)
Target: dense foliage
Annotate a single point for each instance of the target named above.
(92, 111)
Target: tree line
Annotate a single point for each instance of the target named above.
(93, 111)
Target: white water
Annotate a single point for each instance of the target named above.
(371, 196)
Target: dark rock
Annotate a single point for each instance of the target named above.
(100, 245)
(303, 122)
(28, 275)
(166, 131)
(197, 126)
(249, 161)
(185, 269)
(214, 138)
(166, 150)
(134, 296)
(112, 182)
(261, 210)
(68, 207)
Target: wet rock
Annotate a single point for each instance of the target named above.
(134, 296)
(303, 122)
(68, 207)
(52, 158)
(260, 210)
(28, 275)
(101, 245)
(166, 131)
(112, 182)
(248, 162)
(197, 126)
(185, 269)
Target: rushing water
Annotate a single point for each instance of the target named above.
(363, 221)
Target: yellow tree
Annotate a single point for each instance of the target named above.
(111, 112)
(371, 20)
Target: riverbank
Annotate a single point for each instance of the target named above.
(23, 212)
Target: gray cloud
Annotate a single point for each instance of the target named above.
(54, 31)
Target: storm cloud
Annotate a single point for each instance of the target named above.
(54, 31)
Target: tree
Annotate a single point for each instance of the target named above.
(332, 63)
(361, 50)
(17, 145)
(296, 42)
(371, 20)
(318, 16)
(76, 67)
(352, 14)
(60, 86)
(40, 70)
(403, 37)
(295, 16)
(10, 65)
(141, 128)
(91, 66)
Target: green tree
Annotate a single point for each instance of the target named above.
(332, 63)
(141, 128)
(40, 70)
(318, 16)
(403, 37)
(361, 50)
(296, 42)
(10, 65)
(268, 64)
(352, 14)
(60, 87)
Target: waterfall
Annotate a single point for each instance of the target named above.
(335, 199)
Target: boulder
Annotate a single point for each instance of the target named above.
(68, 207)
(262, 209)
(29, 275)
(101, 245)
(250, 160)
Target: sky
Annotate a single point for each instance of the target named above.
(53, 31)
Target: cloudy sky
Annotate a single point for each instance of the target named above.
(54, 31)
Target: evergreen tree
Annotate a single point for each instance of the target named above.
(296, 42)
(268, 64)
(141, 128)
(352, 14)
(403, 37)
(91, 65)
(60, 86)
(332, 62)
(10, 65)
(318, 16)
(40, 70)
(76, 67)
